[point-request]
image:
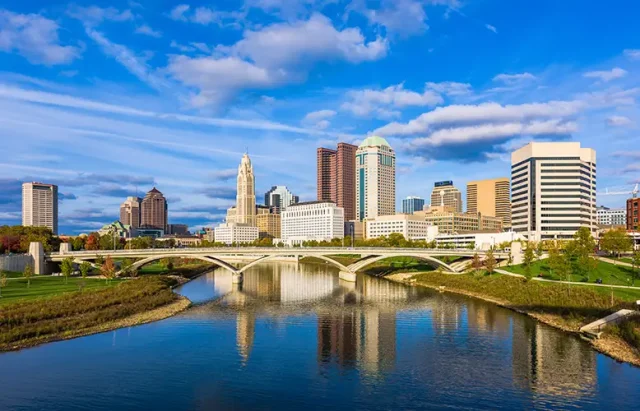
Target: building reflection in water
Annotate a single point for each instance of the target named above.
(356, 324)
(551, 363)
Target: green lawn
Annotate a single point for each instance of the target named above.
(609, 273)
(47, 286)
(153, 268)
(12, 274)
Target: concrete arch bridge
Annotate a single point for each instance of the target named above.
(224, 256)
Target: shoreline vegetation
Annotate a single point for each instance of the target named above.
(54, 309)
(564, 307)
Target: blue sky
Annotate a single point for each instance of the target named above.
(108, 99)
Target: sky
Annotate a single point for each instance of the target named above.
(109, 99)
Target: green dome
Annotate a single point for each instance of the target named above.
(374, 141)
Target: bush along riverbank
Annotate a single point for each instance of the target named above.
(28, 323)
(565, 307)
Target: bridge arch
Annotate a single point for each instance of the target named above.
(364, 263)
(208, 259)
(274, 256)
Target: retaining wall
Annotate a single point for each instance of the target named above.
(16, 262)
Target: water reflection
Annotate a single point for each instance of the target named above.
(356, 324)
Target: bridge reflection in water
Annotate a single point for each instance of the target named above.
(357, 327)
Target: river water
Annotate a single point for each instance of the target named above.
(296, 337)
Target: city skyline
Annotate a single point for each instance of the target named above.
(78, 115)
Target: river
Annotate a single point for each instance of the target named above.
(296, 337)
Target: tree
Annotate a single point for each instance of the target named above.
(28, 273)
(3, 282)
(108, 269)
(67, 268)
(584, 242)
(616, 241)
(554, 257)
(476, 263)
(539, 250)
(85, 267)
(77, 243)
(472, 245)
(126, 264)
(635, 262)
(528, 258)
(92, 242)
(490, 262)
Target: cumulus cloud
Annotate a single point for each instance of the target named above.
(491, 28)
(35, 38)
(382, 102)
(619, 121)
(606, 75)
(206, 16)
(224, 175)
(148, 31)
(319, 119)
(450, 88)
(278, 54)
(472, 132)
(66, 196)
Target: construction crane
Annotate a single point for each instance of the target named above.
(619, 191)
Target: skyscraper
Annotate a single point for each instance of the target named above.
(130, 212)
(40, 205)
(246, 194)
(490, 198)
(337, 177)
(412, 204)
(446, 194)
(279, 198)
(375, 178)
(153, 210)
(553, 190)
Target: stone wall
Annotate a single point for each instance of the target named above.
(15, 263)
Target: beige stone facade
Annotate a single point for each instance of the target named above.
(268, 225)
(446, 194)
(40, 205)
(449, 221)
(490, 198)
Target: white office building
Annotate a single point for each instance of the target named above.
(313, 220)
(481, 241)
(553, 190)
(40, 205)
(230, 233)
(375, 179)
(412, 227)
(611, 216)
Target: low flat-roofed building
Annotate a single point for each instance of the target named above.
(234, 233)
(183, 240)
(268, 225)
(452, 222)
(481, 241)
(412, 227)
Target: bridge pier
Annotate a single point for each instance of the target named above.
(348, 276)
(236, 278)
(37, 252)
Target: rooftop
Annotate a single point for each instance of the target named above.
(374, 141)
(312, 202)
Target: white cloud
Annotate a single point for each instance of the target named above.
(457, 115)
(177, 13)
(491, 28)
(380, 103)
(606, 76)
(201, 46)
(183, 48)
(450, 88)
(319, 119)
(134, 64)
(632, 54)
(35, 38)
(278, 54)
(95, 15)
(148, 31)
(619, 121)
(512, 79)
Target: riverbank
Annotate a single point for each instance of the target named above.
(29, 323)
(562, 307)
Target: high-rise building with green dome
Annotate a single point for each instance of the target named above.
(375, 178)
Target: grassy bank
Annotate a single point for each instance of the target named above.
(47, 286)
(186, 270)
(609, 273)
(28, 323)
(559, 305)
